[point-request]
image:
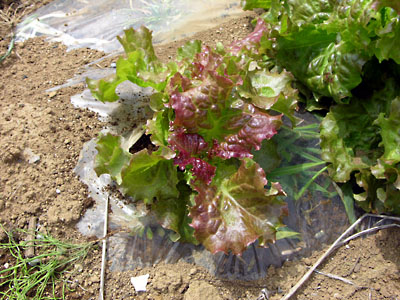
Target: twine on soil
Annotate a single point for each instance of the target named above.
(333, 276)
(339, 243)
(103, 252)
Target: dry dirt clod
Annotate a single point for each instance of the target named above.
(202, 291)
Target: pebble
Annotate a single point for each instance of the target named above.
(337, 296)
(192, 271)
(307, 261)
(52, 94)
(78, 267)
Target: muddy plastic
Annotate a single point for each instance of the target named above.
(140, 241)
(96, 23)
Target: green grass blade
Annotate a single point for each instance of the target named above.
(291, 170)
(346, 194)
(305, 187)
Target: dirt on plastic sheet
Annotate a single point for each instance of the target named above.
(41, 135)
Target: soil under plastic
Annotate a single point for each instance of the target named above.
(41, 136)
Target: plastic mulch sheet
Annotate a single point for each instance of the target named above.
(317, 215)
(95, 24)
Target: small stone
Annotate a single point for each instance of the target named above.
(78, 267)
(30, 156)
(74, 285)
(192, 271)
(337, 296)
(67, 141)
(58, 191)
(376, 286)
(307, 261)
(93, 279)
(52, 94)
(357, 268)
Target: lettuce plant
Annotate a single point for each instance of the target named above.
(212, 108)
(345, 56)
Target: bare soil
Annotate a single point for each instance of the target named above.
(41, 135)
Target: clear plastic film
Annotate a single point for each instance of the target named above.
(317, 214)
(95, 24)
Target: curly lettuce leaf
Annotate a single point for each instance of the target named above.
(388, 31)
(253, 42)
(208, 108)
(255, 127)
(318, 61)
(272, 90)
(141, 66)
(325, 44)
(238, 211)
(339, 124)
(390, 132)
(189, 50)
(363, 137)
(158, 127)
(190, 149)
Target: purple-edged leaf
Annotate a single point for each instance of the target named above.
(251, 42)
(255, 126)
(187, 143)
(238, 211)
(189, 147)
(235, 127)
(204, 108)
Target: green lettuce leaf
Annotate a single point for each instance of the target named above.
(141, 67)
(325, 44)
(149, 177)
(251, 4)
(272, 90)
(111, 158)
(362, 138)
(173, 213)
(390, 132)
